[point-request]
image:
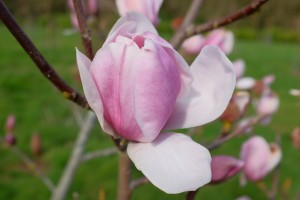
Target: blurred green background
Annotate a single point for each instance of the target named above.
(268, 41)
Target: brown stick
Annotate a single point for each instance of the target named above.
(188, 19)
(245, 11)
(191, 195)
(86, 34)
(38, 59)
(124, 190)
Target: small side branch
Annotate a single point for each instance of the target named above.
(99, 153)
(86, 34)
(34, 167)
(138, 182)
(188, 20)
(74, 161)
(38, 59)
(244, 12)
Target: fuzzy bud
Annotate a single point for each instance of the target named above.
(10, 139)
(36, 144)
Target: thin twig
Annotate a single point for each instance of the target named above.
(38, 59)
(244, 12)
(74, 161)
(34, 167)
(99, 153)
(238, 130)
(86, 34)
(138, 182)
(189, 18)
(124, 192)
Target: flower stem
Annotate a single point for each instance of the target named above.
(124, 191)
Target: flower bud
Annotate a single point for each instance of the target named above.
(36, 144)
(232, 112)
(225, 167)
(296, 138)
(10, 139)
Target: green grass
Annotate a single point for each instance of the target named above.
(39, 107)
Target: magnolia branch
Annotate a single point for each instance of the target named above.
(99, 153)
(243, 12)
(124, 191)
(86, 35)
(188, 20)
(236, 132)
(34, 167)
(74, 161)
(38, 59)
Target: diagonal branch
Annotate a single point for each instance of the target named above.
(86, 35)
(38, 59)
(188, 19)
(243, 12)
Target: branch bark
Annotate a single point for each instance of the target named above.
(86, 34)
(38, 59)
(243, 12)
(99, 153)
(124, 190)
(188, 19)
(61, 190)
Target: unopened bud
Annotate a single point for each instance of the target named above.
(258, 88)
(231, 113)
(225, 167)
(10, 139)
(36, 144)
(10, 123)
(296, 138)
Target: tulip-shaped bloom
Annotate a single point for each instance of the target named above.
(139, 87)
(224, 167)
(259, 157)
(149, 8)
(220, 37)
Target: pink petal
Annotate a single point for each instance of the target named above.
(149, 8)
(156, 87)
(211, 90)
(239, 68)
(255, 153)
(113, 70)
(228, 42)
(172, 162)
(193, 45)
(267, 104)
(129, 24)
(91, 91)
(275, 157)
(224, 167)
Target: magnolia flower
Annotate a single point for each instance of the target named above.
(267, 104)
(295, 92)
(225, 167)
(220, 37)
(140, 87)
(10, 123)
(259, 157)
(149, 8)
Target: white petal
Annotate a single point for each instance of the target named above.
(91, 91)
(173, 162)
(211, 89)
(245, 83)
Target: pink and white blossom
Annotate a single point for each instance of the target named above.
(140, 87)
(220, 37)
(259, 157)
(239, 68)
(149, 8)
